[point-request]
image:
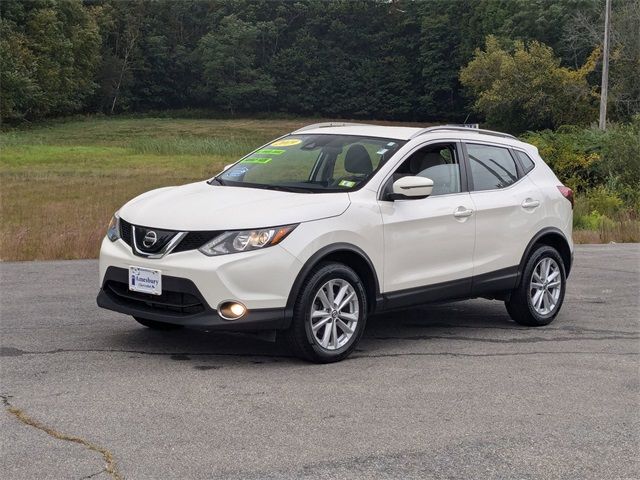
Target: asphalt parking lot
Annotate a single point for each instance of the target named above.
(447, 391)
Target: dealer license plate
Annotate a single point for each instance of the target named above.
(145, 280)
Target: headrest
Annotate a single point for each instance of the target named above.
(357, 160)
(419, 162)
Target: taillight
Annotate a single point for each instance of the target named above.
(566, 193)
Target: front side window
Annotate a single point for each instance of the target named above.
(437, 162)
(312, 163)
(491, 167)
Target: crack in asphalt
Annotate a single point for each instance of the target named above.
(16, 352)
(110, 462)
(95, 474)
(186, 355)
(612, 335)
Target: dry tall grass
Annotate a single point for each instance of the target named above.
(61, 183)
(63, 218)
(627, 231)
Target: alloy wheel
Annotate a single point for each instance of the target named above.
(334, 314)
(545, 286)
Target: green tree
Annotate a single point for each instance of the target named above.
(524, 87)
(232, 73)
(49, 53)
(442, 50)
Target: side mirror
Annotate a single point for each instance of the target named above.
(411, 188)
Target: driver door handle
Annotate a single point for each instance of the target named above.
(462, 212)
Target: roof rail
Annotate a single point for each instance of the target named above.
(329, 124)
(459, 128)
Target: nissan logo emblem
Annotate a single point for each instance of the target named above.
(150, 239)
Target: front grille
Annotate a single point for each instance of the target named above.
(151, 241)
(191, 241)
(126, 232)
(180, 303)
(195, 240)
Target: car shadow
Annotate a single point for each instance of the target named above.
(383, 330)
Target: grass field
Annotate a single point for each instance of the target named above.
(61, 182)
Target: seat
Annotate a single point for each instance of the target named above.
(422, 161)
(357, 160)
(446, 178)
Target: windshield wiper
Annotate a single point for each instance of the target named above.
(282, 188)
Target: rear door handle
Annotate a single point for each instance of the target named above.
(462, 212)
(530, 203)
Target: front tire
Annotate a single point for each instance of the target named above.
(329, 316)
(538, 298)
(153, 325)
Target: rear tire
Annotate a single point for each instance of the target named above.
(153, 325)
(538, 298)
(329, 315)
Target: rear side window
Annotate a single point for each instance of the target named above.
(525, 160)
(491, 167)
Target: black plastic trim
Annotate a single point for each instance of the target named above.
(452, 290)
(318, 257)
(498, 284)
(257, 319)
(534, 240)
(495, 283)
(467, 167)
(465, 173)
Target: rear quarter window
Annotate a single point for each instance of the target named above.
(525, 160)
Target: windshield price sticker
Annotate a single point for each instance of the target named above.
(346, 183)
(270, 151)
(286, 142)
(256, 160)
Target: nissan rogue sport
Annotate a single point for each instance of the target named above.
(315, 231)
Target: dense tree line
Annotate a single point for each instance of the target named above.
(391, 59)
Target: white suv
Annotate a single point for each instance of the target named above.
(313, 232)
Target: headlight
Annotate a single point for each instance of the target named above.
(113, 232)
(246, 240)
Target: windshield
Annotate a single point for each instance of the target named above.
(312, 163)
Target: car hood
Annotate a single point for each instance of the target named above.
(200, 206)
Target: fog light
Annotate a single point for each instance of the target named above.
(231, 310)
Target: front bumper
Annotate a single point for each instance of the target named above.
(194, 285)
(181, 304)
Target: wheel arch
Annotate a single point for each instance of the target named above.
(347, 254)
(552, 237)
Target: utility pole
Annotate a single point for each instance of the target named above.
(604, 90)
